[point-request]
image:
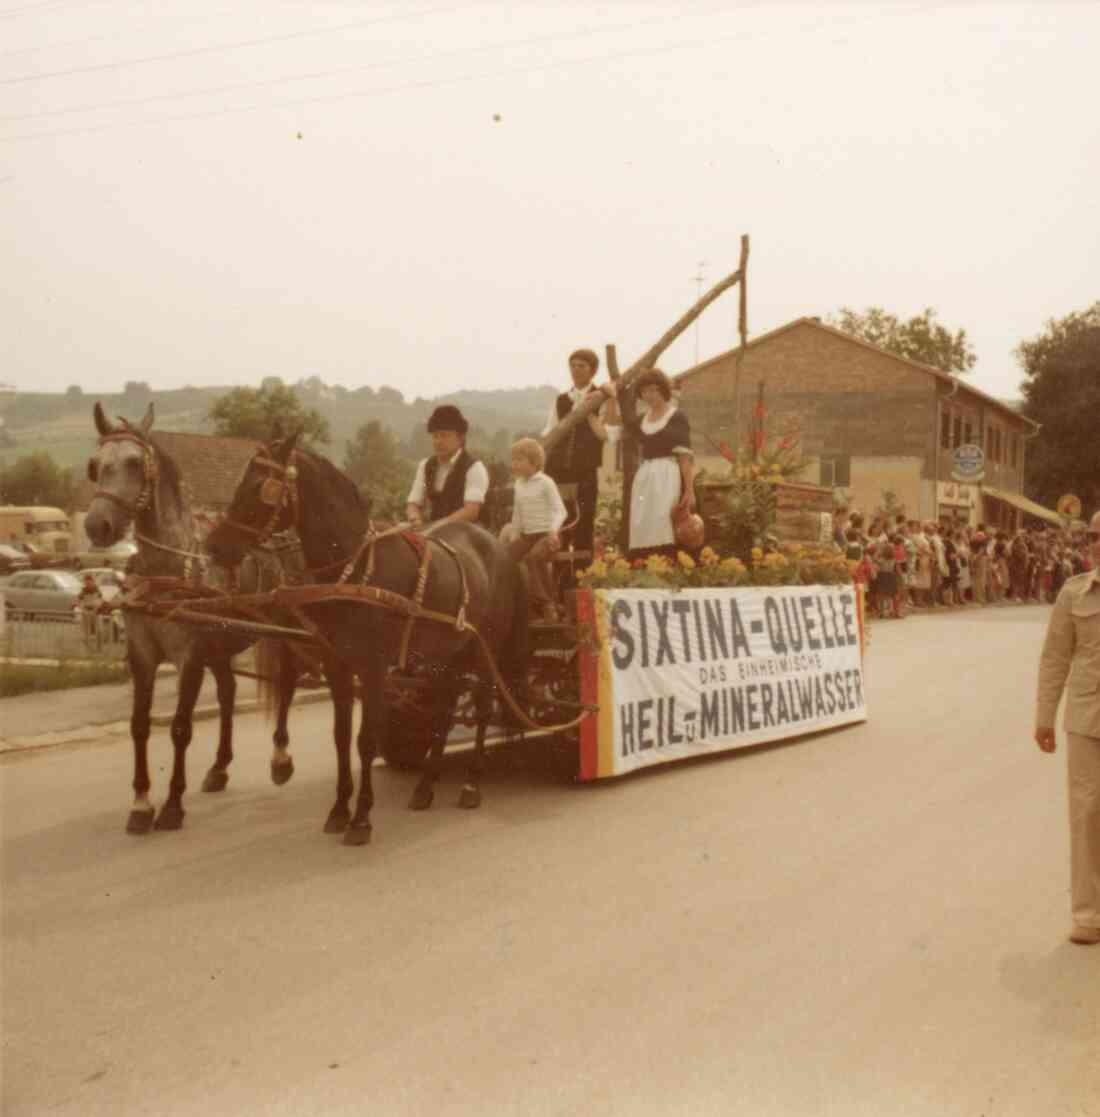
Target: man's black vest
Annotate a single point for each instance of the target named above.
(453, 494)
(580, 453)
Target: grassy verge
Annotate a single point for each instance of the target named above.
(27, 678)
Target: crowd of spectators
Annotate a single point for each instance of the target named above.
(909, 564)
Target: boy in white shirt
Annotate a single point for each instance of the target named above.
(537, 515)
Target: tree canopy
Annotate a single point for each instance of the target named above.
(1062, 392)
(36, 479)
(254, 413)
(373, 461)
(921, 338)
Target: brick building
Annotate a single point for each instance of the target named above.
(871, 422)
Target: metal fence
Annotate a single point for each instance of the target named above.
(63, 636)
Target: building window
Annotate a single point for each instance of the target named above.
(968, 432)
(836, 471)
(1014, 447)
(945, 428)
(989, 443)
(956, 432)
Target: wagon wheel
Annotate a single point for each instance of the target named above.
(551, 678)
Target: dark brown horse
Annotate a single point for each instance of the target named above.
(139, 483)
(462, 571)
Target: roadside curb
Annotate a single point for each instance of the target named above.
(100, 731)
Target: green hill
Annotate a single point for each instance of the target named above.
(62, 424)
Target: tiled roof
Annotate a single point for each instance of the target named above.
(210, 466)
(943, 377)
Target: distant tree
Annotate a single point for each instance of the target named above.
(1062, 392)
(136, 388)
(921, 338)
(74, 392)
(386, 394)
(36, 479)
(313, 386)
(373, 460)
(253, 413)
(271, 383)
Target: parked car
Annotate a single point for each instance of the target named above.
(32, 593)
(116, 556)
(12, 559)
(38, 558)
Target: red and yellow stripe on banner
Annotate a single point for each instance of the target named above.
(595, 683)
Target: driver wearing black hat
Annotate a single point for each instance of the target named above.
(450, 485)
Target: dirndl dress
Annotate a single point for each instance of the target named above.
(657, 485)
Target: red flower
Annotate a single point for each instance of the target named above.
(726, 451)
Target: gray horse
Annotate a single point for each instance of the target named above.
(139, 483)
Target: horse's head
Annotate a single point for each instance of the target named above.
(124, 469)
(265, 501)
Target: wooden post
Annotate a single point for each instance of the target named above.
(629, 446)
(743, 333)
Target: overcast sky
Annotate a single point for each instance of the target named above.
(446, 195)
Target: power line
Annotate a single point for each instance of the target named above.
(213, 48)
(336, 71)
(388, 90)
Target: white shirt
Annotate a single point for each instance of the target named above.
(477, 481)
(537, 506)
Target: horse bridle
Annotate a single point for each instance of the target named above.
(150, 475)
(279, 492)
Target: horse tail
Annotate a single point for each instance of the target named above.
(270, 657)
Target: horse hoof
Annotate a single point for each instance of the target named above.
(139, 822)
(422, 799)
(469, 797)
(215, 780)
(357, 835)
(281, 773)
(170, 818)
(337, 821)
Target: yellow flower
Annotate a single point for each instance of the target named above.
(621, 566)
(708, 556)
(685, 560)
(757, 554)
(598, 569)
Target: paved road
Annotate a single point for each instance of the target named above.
(868, 922)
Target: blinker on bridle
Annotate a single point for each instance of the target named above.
(149, 475)
(278, 492)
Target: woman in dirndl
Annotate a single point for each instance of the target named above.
(665, 479)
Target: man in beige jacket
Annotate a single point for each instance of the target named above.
(1072, 651)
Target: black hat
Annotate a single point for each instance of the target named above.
(447, 417)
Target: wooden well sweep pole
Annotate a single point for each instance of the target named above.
(651, 355)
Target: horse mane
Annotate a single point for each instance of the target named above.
(333, 478)
(169, 471)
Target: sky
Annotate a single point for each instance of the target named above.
(441, 196)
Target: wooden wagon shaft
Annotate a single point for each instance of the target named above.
(227, 624)
(648, 359)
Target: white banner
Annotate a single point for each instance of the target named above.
(686, 673)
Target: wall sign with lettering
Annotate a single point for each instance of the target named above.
(682, 674)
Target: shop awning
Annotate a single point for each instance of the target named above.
(1029, 507)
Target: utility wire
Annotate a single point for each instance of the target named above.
(384, 91)
(213, 48)
(536, 40)
(404, 87)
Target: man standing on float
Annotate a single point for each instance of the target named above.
(576, 459)
(450, 485)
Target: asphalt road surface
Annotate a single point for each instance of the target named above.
(871, 921)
